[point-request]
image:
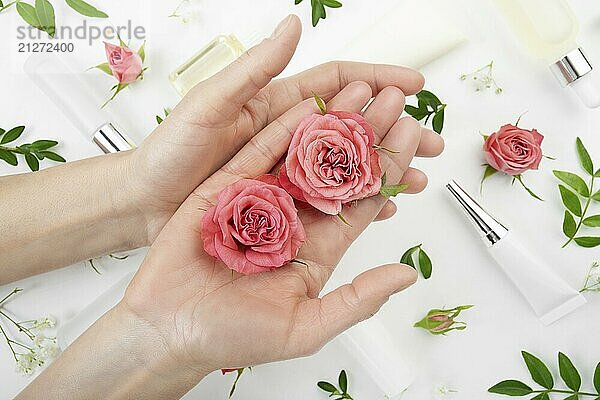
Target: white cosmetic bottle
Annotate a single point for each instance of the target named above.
(549, 30)
(548, 294)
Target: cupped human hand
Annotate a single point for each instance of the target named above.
(220, 115)
(207, 317)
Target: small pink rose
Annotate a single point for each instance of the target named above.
(331, 161)
(254, 227)
(514, 150)
(125, 64)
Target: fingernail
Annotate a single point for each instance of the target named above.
(281, 27)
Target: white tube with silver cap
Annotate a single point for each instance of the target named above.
(548, 294)
(70, 94)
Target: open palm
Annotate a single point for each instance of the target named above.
(215, 318)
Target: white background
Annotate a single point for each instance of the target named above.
(500, 325)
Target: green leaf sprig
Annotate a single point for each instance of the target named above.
(32, 152)
(592, 280)
(337, 393)
(576, 189)
(422, 260)
(440, 322)
(428, 105)
(41, 14)
(541, 375)
(318, 8)
(159, 119)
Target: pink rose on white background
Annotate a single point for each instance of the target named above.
(125, 64)
(332, 161)
(514, 150)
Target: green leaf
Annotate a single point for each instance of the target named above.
(159, 119)
(12, 135)
(407, 257)
(425, 264)
(343, 219)
(42, 144)
(317, 12)
(584, 157)
(32, 161)
(574, 181)
(331, 3)
(438, 122)
(50, 155)
(9, 157)
(511, 388)
(597, 378)
(588, 241)
(326, 386)
(2, 132)
(27, 12)
(1, 4)
(320, 103)
(572, 397)
(596, 196)
(416, 113)
(569, 225)
(568, 372)
(45, 14)
(142, 51)
(570, 200)
(393, 190)
(538, 370)
(429, 98)
(104, 67)
(541, 396)
(593, 221)
(343, 381)
(86, 9)
(489, 171)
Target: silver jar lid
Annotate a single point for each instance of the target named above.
(572, 67)
(110, 140)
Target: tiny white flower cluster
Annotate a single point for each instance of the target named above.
(188, 11)
(592, 281)
(443, 391)
(483, 79)
(44, 348)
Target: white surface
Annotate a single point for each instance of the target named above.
(500, 325)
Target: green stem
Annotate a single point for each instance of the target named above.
(8, 342)
(19, 326)
(8, 296)
(7, 6)
(11, 149)
(587, 205)
(567, 392)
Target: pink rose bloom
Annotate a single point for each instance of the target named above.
(331, 161)
(513, 150)
(253, 228)
(125, 64)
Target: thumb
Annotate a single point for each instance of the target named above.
(350, 304)
(239, 82)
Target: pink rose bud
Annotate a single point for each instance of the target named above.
(125, 64)
(439, 318)
(254, 227)
(440, 322)
(513, 150)
(331, 162)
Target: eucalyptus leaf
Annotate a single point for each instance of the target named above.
(12, 135)
(438, 122)
(568, 372)
(584, 157)
(593, 221)
(570, 200)
(574, 181)
(538, 370)
(425, 264)
(86, 9)
(343, 381)
(588, 241)
(569, 225)
(28, 13)
(511, 388)
(32, 162)
(45, 15)
(9, 157)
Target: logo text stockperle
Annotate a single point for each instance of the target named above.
(84, 32)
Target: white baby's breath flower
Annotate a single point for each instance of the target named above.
(44, 323)
(25, 363)
(38, 340)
